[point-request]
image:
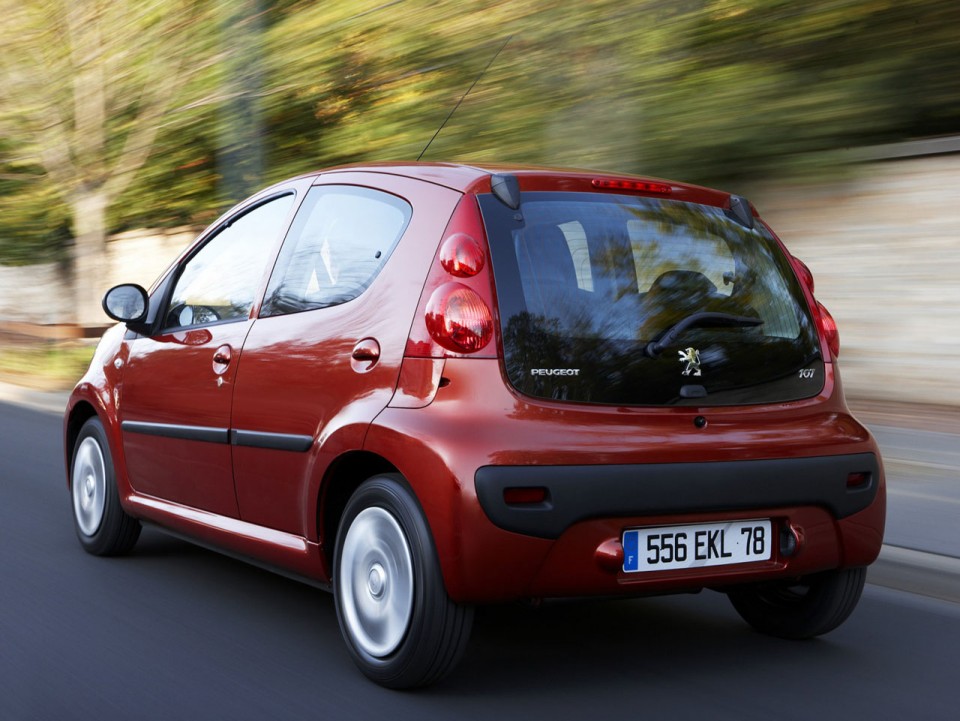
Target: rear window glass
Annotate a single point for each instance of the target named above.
(589, 284)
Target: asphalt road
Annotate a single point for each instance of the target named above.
(177, 632)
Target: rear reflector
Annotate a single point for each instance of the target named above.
(614, 184)
(858, 480)
(519, 496)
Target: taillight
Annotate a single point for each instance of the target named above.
(458, 319)
(828, 327)
(461, 256)
(456, 314)
(825, 322)
(803, 271)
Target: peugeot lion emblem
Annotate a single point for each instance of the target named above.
(690, 356)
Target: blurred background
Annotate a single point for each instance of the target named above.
(125, 127)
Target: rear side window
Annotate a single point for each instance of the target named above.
(338, 243)
(587, 282)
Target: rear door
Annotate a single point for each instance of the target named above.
(324, 356)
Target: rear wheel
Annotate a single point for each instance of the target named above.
(398, 622)
(801, 608)
(102, 526)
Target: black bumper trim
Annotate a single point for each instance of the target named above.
(578, 493)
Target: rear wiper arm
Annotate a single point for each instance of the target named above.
(703, 318)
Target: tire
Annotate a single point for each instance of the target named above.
(398, 622)
(102, 526)
(801, 608)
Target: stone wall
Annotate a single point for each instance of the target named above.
(884, 248)
(39, 294)
(883, 244)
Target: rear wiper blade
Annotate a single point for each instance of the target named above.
(703, 318)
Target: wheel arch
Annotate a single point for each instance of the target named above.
(81, 412)
(342, 478)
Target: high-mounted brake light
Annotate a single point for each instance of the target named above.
(616, 184)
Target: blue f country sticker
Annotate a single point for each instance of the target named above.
(631, 550)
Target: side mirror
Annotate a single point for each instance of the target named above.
(127, 303)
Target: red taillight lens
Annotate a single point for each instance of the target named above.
(458, 319)
(461, 256)
(617, 184)
(828, 326)
(806, 277)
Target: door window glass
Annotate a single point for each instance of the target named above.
(220, 282)
(339, 241)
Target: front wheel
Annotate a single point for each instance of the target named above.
(102, 526)
(398, 622)
(801, 608)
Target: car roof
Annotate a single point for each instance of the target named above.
(475, 178)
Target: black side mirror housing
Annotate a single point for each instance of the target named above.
(127, 303)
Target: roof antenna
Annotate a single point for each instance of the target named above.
(509, 38)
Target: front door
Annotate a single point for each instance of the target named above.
(177, 386)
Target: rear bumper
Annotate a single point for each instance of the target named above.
(578, 493)
(606, 470)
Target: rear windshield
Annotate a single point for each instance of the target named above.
(646, 301)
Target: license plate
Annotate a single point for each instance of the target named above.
(695, 546)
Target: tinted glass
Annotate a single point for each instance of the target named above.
(587, 282)
(220, 282)
(338, 242)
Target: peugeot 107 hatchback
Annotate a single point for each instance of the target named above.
(427, 387)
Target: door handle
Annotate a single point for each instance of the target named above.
(221, 359)
(365, 355)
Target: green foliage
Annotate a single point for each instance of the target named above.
(704, 90)
(34, 223)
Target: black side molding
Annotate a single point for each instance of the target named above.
(275, 441)
(578, 493)
(170, 430)
(206, 434)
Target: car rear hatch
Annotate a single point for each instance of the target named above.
(643, 300)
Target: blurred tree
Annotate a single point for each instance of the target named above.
(35, 224)
(85, 85)
(761, 87)
(706, 90)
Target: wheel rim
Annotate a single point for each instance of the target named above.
(375, 583)
(89, 486)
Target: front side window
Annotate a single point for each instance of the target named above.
(220, 282)
(339, 241)
(647, 301)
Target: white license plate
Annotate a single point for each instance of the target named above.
(697, 545)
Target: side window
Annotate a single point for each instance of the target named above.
(219, 282)
(338, 243)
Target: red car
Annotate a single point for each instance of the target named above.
(431, 386)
